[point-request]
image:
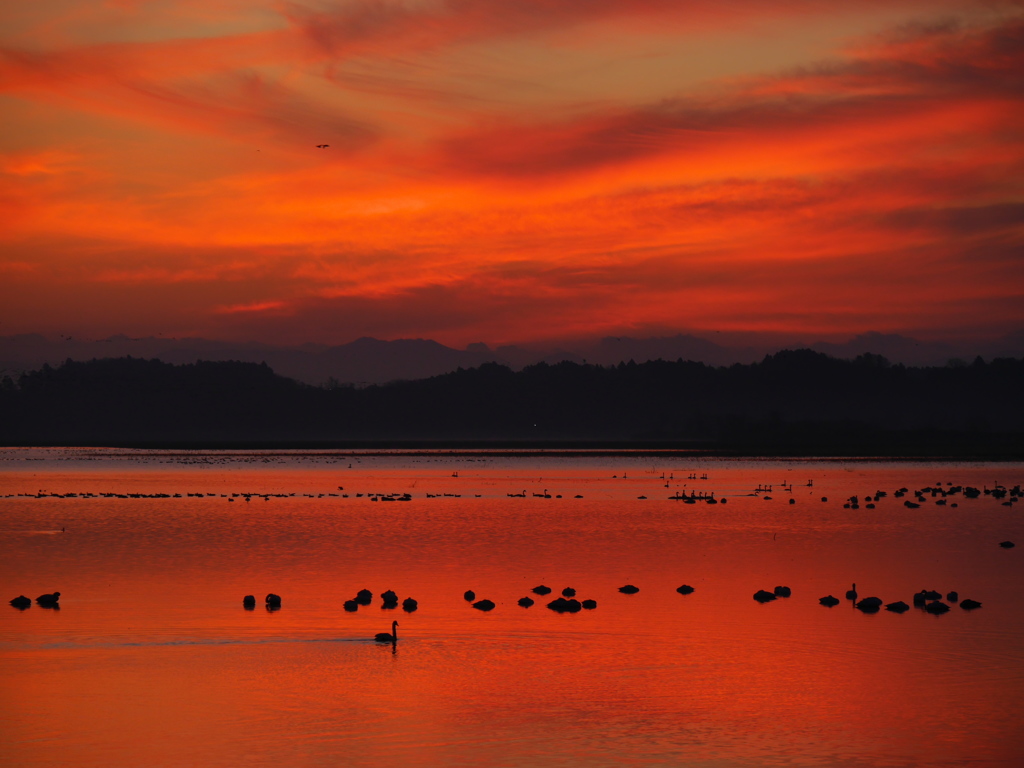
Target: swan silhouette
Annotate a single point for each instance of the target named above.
(851, 594)
(384, 637)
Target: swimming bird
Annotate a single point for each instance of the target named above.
(851, 594)
(21, 602)
(384, 637)
(273, 601)
(470, 595)
(629, 589)
(526, 602)
(249, 601)
(783, 591)
(763, 596)
(685, 589)
(970, 605)
(409, 605)
(484, 605)
(568, 592)
(829, 600)
(869, 604)
(542, 590)
(48, 601)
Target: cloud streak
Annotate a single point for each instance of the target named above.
(166, 176)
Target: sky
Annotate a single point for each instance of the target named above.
(511, 172)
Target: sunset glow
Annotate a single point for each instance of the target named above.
(511, 172)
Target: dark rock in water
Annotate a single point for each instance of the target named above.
(629, 589)
(351, 605)
(898, 607)
(542, 590)
(21, 602)
(970, 605)
(526, 602)
(409, 605)
(953, 596)
(389, 597)
(48, 601)
(938, 607)
(470, 596)
(686, 589)
(589, 604)
(1007, 544)
(568, 592)
(484, 605)
(273, 601)
(869, 604)
(364, 597)
(763, 596)
(783, 592)
(561, 605)
(829, 600)
(249, 601)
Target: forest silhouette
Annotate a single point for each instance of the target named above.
(792, 402)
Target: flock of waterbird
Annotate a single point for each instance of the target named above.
(929, 600)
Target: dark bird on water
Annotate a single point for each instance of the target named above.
(351, 605)
(49, 600)
(364, 597)
(589, 604)
(686, 589)
(249, 601)
(869, 604)
(851, 594)
(561, 605)
(938, 607)
(273, 601)
(1007, 544)
(470, 595)
(385, 637)
(783, 591)
(484, 605)
(970, 605)
(829, 600)
(898, 607)
(409, 605)
(526, 602)
(629, 589)
(542, 590)
(21, 602)
(568, 592)
(763, 596)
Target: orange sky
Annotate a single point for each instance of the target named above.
(511, 172)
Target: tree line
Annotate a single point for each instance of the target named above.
(796, 401)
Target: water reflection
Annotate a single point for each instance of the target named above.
(662, 676)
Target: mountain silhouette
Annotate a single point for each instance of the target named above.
(797, 401)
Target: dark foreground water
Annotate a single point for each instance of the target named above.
(151, 659)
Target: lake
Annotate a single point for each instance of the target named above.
(151, 659)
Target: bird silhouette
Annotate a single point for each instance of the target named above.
(385, 637)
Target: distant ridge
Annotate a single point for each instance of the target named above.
(368, 361)
(794, 402)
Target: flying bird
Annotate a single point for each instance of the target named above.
(322, 146)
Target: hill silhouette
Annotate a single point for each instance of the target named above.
(800, 402)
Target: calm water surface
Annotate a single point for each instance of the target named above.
(152, 661)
